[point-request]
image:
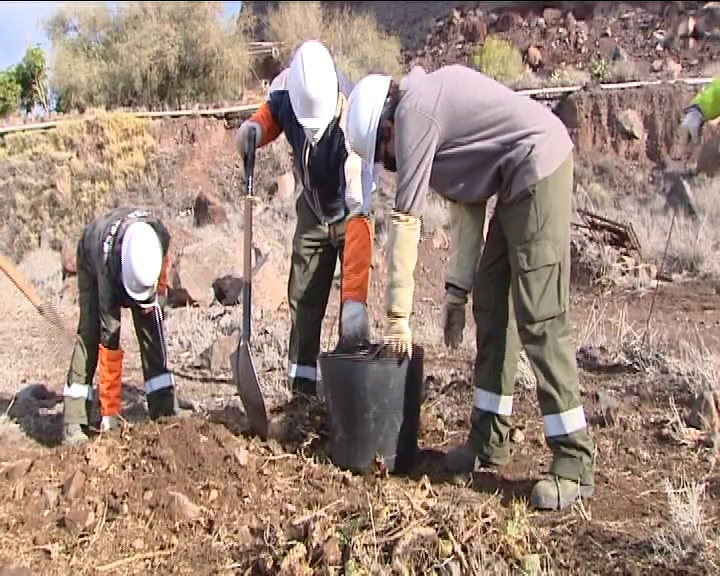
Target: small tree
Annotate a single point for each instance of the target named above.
(31, 76)
(149, 54)
(9, 92)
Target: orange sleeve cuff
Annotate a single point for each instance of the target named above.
(110, 380)
(357, 259)
(163, 280)
(270, 130)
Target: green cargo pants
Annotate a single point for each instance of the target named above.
(79, 393)
(521, 299)
(316, 248)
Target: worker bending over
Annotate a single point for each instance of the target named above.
(470, 137)
(121, 263)
(308, 104)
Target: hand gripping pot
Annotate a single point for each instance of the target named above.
(373, 406)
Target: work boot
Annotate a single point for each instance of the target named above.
(556, 493)
(75, 420)
(464, 459)
(74, 435)
(92, 409)
(162, 403)
(303, 387)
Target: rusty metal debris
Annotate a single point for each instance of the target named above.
(619, 235)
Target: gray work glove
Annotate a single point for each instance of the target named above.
(453, 316)
(692, 124)
(354, 324)
(242, 137)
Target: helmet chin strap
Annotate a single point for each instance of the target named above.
(314, 135)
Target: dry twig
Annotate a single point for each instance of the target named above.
(134, 558)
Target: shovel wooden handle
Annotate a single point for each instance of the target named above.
(13, 274)
(247, 238)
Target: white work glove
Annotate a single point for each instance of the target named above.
(692, 124)
(354, 324)
(242, 136)
(398, 337)
(453, 316)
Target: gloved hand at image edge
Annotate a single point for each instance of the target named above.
(692, 125)
(402, 251)
(357, 259)
(467, 223)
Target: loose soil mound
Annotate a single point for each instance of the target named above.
(190, 497)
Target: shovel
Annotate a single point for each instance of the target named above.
(244, 374)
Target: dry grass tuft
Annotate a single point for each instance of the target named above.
(58, 180)
(190, 330)
(693, 246)
(608, 71)
(698, 367)
(608, 339)
(688, 532)
(693, 249)
(358, 45)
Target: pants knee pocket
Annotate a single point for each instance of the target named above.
(541, 292)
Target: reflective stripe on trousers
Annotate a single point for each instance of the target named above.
(78, 391)
(305, 372)
(159, 382)
(560, 424)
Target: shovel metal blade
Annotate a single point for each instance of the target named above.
(248, 387)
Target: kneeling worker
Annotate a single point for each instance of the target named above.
(122, 261)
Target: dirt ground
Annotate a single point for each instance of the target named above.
(200, 495)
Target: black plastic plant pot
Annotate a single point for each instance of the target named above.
(373, 408)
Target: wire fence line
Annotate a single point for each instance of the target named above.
(554, 93)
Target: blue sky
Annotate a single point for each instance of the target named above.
(20, 27)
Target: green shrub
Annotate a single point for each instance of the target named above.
(500, 60)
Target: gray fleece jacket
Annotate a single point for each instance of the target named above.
(469, 137)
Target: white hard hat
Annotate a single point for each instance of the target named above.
(141, 258)
(313, 85)
(365, 107)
